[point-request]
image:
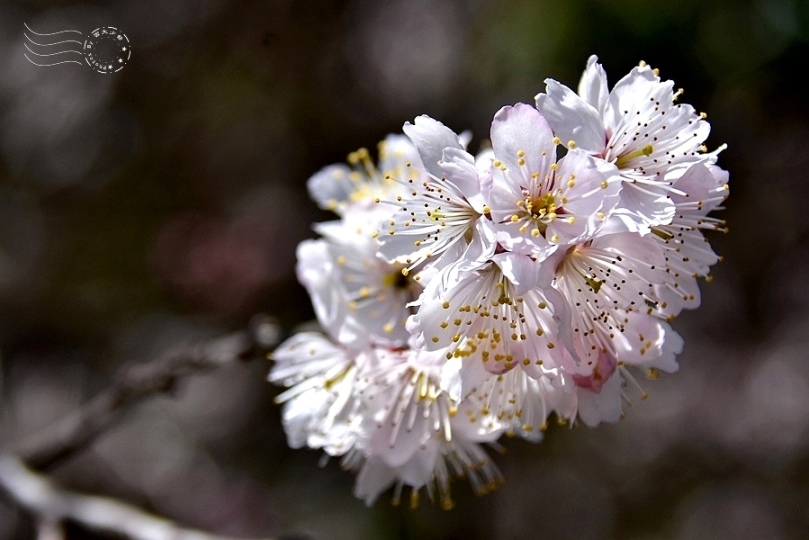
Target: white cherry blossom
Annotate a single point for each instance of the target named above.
(639, 126)
(358, 298)
(502, 313)
(537, 202)
(342, 188)
(321, 406)
(436, 209)
(463, 297)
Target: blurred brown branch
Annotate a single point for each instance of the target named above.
(136, 382)
(52, 505)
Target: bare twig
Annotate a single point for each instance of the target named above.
(134, 383)
(53, 505)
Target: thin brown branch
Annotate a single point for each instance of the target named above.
(133, 384)
(53, 505)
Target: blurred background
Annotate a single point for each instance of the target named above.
(147, 208)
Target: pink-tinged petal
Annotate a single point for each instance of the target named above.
(320, 403)
(700, 184)
(514, 401)
(604, 406)
(523, 141)
(483, 163)
(431, 138)
(572, 118)
(601, 372)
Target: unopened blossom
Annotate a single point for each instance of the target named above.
(639, 126)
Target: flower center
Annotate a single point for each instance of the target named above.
(623, 160)
(542, 208)
(397, 280)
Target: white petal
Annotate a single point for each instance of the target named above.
(572, 118)
(593, 85)
(431, 138)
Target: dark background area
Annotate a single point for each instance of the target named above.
(164, 202)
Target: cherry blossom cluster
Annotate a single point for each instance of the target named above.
(463, 297)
